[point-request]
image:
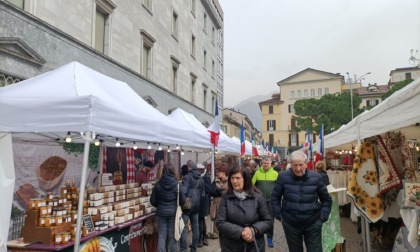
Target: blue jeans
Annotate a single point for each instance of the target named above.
(311, 234)
(184, 236)
(166, 225)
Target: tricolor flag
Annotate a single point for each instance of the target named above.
(254, 147)
(242, 139)
(308, 146)
(214, 128)
(320, 151)
(262, 147)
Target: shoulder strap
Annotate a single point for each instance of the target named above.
(177, 198)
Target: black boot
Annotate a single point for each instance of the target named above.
(205, 242)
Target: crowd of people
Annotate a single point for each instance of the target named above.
(243, 202)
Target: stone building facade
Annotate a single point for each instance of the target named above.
(169, 52)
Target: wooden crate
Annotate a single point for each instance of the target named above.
(33, 234)
(340, 247)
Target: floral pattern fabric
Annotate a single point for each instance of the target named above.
(331, 229)
(363, 185)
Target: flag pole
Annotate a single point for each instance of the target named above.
(212, 164)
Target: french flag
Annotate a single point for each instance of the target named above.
(320, 150)
(308, 147)
(242, 139)
(254, 147)
(214, 128)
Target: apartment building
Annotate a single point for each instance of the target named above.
(402, 74)
(169, 52)
(232, 123)
(278, 126)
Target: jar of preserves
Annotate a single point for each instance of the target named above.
(47, 221)
(49, 210)
(85, 231)
(73, 216)
(43, 211)
(64, 237)
(64, 217)
(41, 221)
(49, 196)
(52, 220)
(63, 191)
(58, 220)
(57, 239)
(73, 230)
(32, 204)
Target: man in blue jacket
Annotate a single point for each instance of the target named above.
(193, 187)
(301, 202)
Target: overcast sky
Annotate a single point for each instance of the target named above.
(269, 40)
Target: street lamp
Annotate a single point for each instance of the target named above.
(351, 88)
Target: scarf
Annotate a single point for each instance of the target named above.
(240, 195)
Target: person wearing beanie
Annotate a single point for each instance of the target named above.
(142, 176)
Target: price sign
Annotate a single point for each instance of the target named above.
(87, 220)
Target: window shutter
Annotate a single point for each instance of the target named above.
(297, 140)
(290, 140)
(268, 125)
(274, 124)
(289, 108)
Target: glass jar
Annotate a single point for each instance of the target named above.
(43, 211)
(57, 239)
(47, 221)
(64, 237)
(73, 216)
(63, 191)
(52, 220)
(49, 196)
(32, 204)
(41, 221)
(85, 231)
(73, 230)
(58, 220)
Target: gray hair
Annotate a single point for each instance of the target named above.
(191, 165)
(267, 159)
(297, 155)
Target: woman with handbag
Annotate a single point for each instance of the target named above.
(164, 197)
(243, 216)
(219, 185)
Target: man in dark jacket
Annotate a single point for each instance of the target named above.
(204, 207)
(192, 187)
(295, 203)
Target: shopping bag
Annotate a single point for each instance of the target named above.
(179, 223)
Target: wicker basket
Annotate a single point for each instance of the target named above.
(51, 172)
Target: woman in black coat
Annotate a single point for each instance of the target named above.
(243, 217)
(164, 198)
(320, 168)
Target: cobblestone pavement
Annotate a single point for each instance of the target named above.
(348, 229)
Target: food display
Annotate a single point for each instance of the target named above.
(52, 218)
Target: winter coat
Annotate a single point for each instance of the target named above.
(325, 177)
(164, 195)
(205, 201)
(264, 181)
(300, 200)
(218, 187)
(193, 187)
(233, 215)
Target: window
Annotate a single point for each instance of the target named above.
(293, 139)
(213, 68)
(224, 128)
(293, 124)
(17, 3)
(312, 92)
(205, 23)
(327, 91)
(270, 109)
(193, 80)
(193, 46)
(291, 108)
(407, 76)
(174, 80)
(213, 35)
(101, 36)
(372, 102)
(146, 57)
(193, 7)
(175, 24)
(213, 100)
(271, 139)
(271, 125)
(148, 5)
(319, 91)
(299, 93)
(204, 97)
(305, 93)
(205, 59)
(292, 94)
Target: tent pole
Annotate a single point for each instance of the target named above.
(212, 164)
(87, 138)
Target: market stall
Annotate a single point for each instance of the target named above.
(85, 106)
(389, 127)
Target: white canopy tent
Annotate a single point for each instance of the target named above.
(226, 145)
(86, 103)
(248, 145)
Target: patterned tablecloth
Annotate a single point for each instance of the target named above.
(331, 230)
